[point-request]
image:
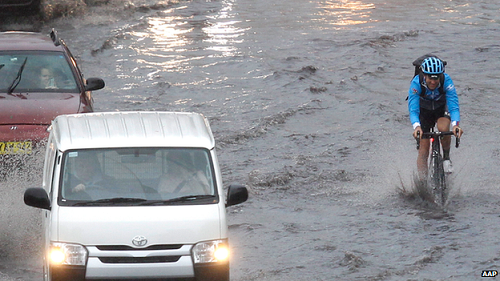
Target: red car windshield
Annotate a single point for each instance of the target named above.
(36, 72)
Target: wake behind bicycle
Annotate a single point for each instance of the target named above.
(436, 176)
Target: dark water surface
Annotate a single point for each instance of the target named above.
(307, 103)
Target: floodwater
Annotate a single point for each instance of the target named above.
(307, 103)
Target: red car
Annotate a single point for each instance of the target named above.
(39, 80)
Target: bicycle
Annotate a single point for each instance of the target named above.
(437, 176)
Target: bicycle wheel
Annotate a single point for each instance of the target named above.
(438, 179)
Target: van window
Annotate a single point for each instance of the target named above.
(135, 176)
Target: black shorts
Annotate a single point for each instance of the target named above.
(428, 118)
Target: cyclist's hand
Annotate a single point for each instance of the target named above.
(459, 133)
(418, 132)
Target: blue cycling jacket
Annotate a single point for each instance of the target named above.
(414, 99)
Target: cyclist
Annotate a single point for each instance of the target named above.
(433, 100)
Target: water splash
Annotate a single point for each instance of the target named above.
(20, 225)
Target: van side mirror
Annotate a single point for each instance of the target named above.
(94, 84)
(37, 197)
(236, 194)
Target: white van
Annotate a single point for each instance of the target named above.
(135, 196)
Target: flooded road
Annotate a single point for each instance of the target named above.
(307, 103)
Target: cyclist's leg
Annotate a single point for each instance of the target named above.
(423, 155)
(428, 120)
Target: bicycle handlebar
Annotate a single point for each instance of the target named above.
(438, 134)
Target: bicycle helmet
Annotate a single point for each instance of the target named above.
(432, 66)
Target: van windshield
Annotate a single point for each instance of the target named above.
(137, 176)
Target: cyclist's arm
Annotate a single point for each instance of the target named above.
(452, 100)
(414, 102)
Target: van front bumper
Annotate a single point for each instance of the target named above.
(180, 270)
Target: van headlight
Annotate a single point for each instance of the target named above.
(67, 254)
(210, 251)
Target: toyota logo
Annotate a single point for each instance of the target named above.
(139, 241)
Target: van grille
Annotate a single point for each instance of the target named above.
(162, 259)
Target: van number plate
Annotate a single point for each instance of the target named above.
(15, 147)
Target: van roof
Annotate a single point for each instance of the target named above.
(132, 129)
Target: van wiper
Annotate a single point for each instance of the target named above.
(110, 201)
(187, 198)
(16, 81)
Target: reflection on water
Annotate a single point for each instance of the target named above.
(185, 37)
(224, 32)
(346, 13)
(182, 35)
(224, 35)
